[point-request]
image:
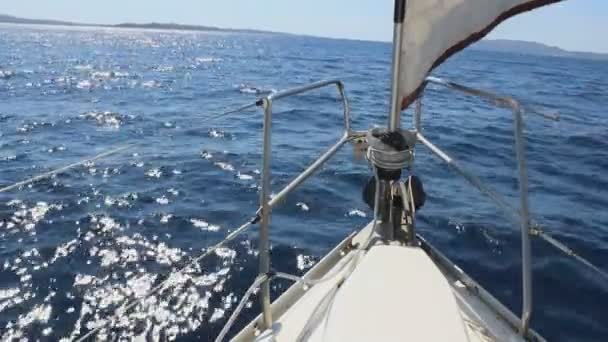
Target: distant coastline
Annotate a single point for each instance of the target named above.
(495, 45)
(533, 48)
(9, 19)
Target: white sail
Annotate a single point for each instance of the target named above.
(434, 30)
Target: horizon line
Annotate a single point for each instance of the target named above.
(202, 28)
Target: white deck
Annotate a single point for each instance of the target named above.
(379, 303)
(395, 293)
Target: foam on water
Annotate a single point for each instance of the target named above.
(206, 155)
(154, 173)
(204, 60)
(203, 225)
(165, 218)
(224, 166)
(305, 262)
(6, 74)
(163, 200)
(243, 176)
(85, 67)
(151, 84)
(357, 212)
(107, 118)
(85, 84)
(164, 68)
(216, 133)
(249, 89)
(103, 75)
(303, 206)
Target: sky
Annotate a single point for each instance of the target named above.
(578, 25)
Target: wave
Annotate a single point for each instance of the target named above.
(6, 74)
(248, 89)
(107, 118)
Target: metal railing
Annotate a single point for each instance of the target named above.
(262, 215)
(266, 203)
(518, 216)
(521, 215)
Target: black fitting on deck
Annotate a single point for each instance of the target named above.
(369, 193)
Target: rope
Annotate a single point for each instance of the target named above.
(65, 168)
(389, 160)
(127, 306)
(386, 156)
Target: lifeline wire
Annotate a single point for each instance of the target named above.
(110, 152)
(65, 168)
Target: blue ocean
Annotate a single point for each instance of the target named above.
(76, 246)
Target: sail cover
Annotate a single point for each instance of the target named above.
(433, 30)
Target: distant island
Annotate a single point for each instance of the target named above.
(9, 19)
(496, 45)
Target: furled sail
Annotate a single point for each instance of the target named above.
(433, 30)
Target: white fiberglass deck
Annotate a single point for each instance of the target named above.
(377, 302)
(395, 293)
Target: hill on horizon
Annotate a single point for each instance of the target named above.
(9, 19)
(533, 48)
